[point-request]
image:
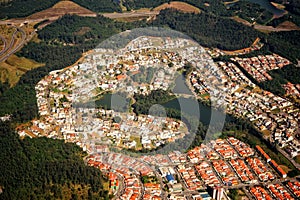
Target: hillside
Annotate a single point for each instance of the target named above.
(61, 8)
(181, 6)
(14, 67)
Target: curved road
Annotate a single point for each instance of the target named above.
(10, 49)
(11, 43)
(4, 45)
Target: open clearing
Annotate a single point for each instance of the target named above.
(288, 25)
(285, 26)
(184, 7)
(60, 9)
(285, 168)
(14, 67)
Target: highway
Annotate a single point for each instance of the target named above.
(4, 45)
(131, 14)
(11, 48)
(12, 41)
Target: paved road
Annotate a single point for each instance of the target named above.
(4, 45)
(109, 15)
(11, 49)
(11, 43)
(271, 28)
(262, 27)
(297, 165)
(131, 14)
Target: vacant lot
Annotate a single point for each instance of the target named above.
(184, 7)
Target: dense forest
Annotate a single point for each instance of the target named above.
(143, 103)
(136, 4)
(75, 30)
(289, 73)
(208, 30)
(44, 168)
(292, 6)
(21, 8)
(244, 9)
(285, 44)
(250, 11)
(100, 6)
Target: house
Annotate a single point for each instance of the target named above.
(170, 178)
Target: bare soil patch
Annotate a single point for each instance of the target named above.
(285, 168)
(184, 7)
(288, 25)
(60, 9)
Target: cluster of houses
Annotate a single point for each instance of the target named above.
(260, 193)
(66, 112)
(274, 116)
(64, 96)
(62, 92)
(129, 170)
(157, 160)
(145, 64)
(224, 149)
(242, 170)
(277, 118)
(294, 187)
(207, 174)
(243, 149)
(227, 175)
(260, 169)
(144, 131)
(259, 66)
(133, 72)
(292, 90)
(191, 181)
(277, 191)
(219, 81)
(181, 175)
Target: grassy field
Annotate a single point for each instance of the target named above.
(137, 139)
(184, 7)
(297, 159)
(14, 67)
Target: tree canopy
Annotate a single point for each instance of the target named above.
(43, 168)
